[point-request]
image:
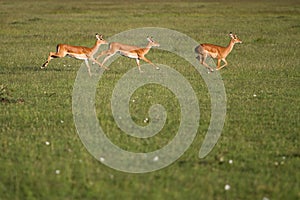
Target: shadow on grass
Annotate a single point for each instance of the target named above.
(5, 96)
(20, 70)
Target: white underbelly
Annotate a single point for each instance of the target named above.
(128, 54)
(78, 56)
(214, 55)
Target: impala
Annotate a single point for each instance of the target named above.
(78, 52)
(215, 51)
(138, 53)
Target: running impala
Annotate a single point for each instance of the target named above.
(138, 53)
(78, 52)
(215, 51)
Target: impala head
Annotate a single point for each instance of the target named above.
(235, 38)
(152, 42)
(100, 39)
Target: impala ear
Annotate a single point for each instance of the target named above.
(99, 37)
(149, 39)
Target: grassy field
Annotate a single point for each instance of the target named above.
(42, 156)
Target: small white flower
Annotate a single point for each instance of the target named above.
(230, 161)
(156, 158)
(254, 95)
(47, 143)
(133, 100)
(146, 120)
(221, 159)
(57, 171)
(227, 187)
(102, 159)
(61, 121)
(111, 176)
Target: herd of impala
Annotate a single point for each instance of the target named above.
(138, 53)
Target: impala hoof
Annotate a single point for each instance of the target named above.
(104, 67)
(210, 71)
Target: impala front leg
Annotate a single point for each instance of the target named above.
(138, 64)
(97, 62)
(105, 59)
(102, 53)
(148, 61)
(219, 63)
(88, 66)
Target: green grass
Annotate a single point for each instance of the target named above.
(260, 135)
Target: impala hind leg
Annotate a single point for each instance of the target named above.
(202, 55)
(58, 54)
(50, 57)
(202, 58)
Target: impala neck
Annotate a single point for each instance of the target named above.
(148, 47)
(96, 46)
(230, 46)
